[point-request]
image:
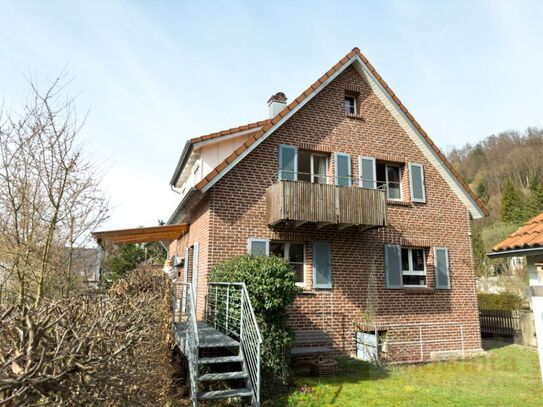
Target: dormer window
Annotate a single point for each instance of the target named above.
(350, 104)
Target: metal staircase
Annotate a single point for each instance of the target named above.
(223, 350)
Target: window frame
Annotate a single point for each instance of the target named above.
(354, 98)
(252, 240)
(399, 166)
(312, 168)
(412, 272)
(286, 252)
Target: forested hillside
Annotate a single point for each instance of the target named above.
(506, 172)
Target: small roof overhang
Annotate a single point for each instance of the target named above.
(141, 235)
(529, 251)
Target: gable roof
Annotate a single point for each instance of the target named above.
(530, 236)
(189, 145)
(399, 111)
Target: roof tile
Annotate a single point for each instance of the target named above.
(528, 236)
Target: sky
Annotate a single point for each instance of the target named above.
(152, 74)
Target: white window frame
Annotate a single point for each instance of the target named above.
(336, 168)
(354, 103)
(360, 175)
(423, 200)
(252, 240)
(286, 257)
(412, 272)
(312, 166)
(386, 180)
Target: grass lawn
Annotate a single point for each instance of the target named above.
(507, 376)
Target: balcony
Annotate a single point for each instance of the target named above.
(295, 203)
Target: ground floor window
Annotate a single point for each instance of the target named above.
(413, 267)
(294, 254)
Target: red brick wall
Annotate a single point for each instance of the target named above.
(237, 210)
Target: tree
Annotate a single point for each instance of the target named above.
(50, 197)
(534, 206)
(512, 204)
(482, 192)
(123, 259)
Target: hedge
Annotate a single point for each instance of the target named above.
(503, 301)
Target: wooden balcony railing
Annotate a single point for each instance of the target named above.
(297, 202)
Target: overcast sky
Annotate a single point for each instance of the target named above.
(154, 73)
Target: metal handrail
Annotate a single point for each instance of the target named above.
(355, 180)
(184, 307)
(229, 310)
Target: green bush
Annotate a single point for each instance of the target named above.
(272, 288)
(500, 302)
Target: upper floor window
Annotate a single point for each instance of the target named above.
(413, 267)
(390, 176)
(294, 254)
(312, 167)
(350, 104)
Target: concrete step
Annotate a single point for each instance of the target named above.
(222, 376)
(220, 359)
(224, 394)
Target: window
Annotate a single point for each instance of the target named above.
(312, 167)
(258, 247)
(390, 176)
(350, 104)
(413, 267)
(294, 254)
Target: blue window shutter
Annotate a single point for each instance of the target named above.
(393, 266)
(367, 172)
(288, 163)
(441, 263)
(322, 265)
(343, 169)
(416, 182)
(258, 247)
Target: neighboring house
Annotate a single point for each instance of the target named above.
(528, 242)
(347, 186)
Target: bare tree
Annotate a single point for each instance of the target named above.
(50, 198)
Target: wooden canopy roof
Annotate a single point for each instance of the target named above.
(141, 235)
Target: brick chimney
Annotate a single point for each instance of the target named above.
(276, 103)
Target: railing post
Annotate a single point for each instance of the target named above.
(227, 307)
(215, 309)
(421, 344)
(242, 305)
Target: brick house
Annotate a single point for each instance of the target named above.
(347, 186)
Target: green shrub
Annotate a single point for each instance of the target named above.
(503, 301)
(272, 288)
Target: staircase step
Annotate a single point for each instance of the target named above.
(222, 376)
(220, 359)
(220, 343)
(224, 394)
